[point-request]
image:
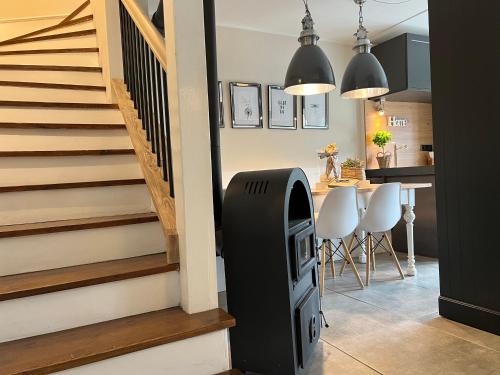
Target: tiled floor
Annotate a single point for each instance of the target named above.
(393, 327)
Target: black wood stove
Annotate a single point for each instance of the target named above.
(271, 271)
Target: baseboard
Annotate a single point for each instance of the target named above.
(471, 315)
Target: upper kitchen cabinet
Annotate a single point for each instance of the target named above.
(406, 61)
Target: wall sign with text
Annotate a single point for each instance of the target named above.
(397, 122)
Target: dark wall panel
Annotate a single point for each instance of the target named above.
(465, 94)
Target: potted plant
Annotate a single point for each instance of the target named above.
(353, 169)
(381, 139)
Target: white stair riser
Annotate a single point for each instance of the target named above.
(10, 30)
(71, 59)
(51, 205)
(58, 115)
(49, 170)
(63, 139)
(84, 41)
(77, 78)
(51, 312)
(212, 357)
(71, 28)
(52, 95)
(66, 249)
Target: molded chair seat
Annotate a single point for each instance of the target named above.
(337, 219)
(382, 214)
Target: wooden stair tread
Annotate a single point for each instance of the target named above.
(32, 125)
(52, 50)
(60, 86)
(33, 153)
(35, 283)
(72, 185)
(71, 34)
(47, 29)
(20, 103)
(56, 68)
(83, 345)
(29, 229)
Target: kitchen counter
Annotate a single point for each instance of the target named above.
(427, 170)
(426, 242)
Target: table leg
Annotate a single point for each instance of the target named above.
(362, 234)
(409, 217)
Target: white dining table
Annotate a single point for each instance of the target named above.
(365, 190)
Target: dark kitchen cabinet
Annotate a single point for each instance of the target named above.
(406, 61)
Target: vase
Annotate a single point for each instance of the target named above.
(384, 160)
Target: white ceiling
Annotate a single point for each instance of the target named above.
(335, 20)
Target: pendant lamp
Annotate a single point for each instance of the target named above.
(364, 77)
(309, 72)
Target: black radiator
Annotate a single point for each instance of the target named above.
(271, 271)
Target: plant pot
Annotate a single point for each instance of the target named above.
(384, 161)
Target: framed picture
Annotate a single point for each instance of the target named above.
(315, 111)
(221, 105)
(282, 108)
(246, 105)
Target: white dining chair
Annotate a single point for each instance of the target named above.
(382, 214)
(337, 219)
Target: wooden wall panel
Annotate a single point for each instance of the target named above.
(417, 133)
(465, 109)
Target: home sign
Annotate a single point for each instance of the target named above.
(397, 122)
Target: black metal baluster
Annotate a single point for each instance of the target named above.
(137, 74)
(145, 85)
(128, 54)
(124, 52)
(161, 119)
(167, 130)
(151, 100)
(131, 56)
(154, 102)
(142, 85)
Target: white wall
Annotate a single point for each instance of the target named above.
(251, 56)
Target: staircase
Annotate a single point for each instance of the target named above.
(85, 284)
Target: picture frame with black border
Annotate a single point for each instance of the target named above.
(246, 105)
(221, 104)
(315, 111)
(282, 109)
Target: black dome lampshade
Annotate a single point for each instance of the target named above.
(364, 77)
(310, 71)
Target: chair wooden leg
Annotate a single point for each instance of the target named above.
(394, 257)
(332, 263)
(347, 250)
(374, 265)
(344, 263)
(368, 257)
(322, 272)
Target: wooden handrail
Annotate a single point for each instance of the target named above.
(151, 35)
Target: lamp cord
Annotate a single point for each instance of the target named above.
(306, 4)
(361, 19)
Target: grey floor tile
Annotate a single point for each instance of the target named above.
(393, 327)
(329, 360)
(462, 331)
(407, 347)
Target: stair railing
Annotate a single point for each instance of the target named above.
(145, 78)
(145, 67)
